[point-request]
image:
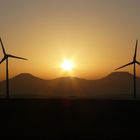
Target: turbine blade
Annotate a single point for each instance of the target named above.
(136, 50)
(17, 57)
(125, 65)
(2, 46)
(2, 60)
(138, 62)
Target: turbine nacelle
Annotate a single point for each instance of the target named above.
(11, 56)
(6, 56)
(134, 62)
(134, 58)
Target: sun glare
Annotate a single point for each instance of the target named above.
(67, 65)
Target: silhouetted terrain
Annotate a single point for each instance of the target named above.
(70, 108)
(69, 118)
(116, 85)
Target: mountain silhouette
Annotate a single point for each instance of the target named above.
(115, 85)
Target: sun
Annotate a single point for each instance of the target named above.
(67, 65)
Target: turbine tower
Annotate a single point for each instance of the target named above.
(134, 62)
(6, 58)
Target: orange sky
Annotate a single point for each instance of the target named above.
(98, 35)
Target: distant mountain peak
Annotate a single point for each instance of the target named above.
(25, 76)
(119, 75)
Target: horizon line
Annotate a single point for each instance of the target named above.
(68, 76)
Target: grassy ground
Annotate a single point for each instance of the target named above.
(59, 117)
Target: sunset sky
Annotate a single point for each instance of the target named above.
(96, 35)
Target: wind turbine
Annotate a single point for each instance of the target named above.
(134, 62)
(5, 58)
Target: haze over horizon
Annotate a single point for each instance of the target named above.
(113, 74)
(98, 35)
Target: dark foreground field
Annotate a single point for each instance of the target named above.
(58, 118)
